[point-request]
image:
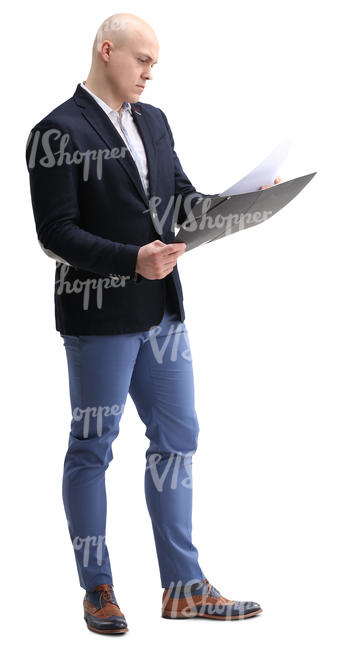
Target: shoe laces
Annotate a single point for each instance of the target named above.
(211, 590)
(105, 593)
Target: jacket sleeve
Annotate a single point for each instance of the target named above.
(183, 186)
(54, 194)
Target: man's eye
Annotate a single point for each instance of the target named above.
(145, 61)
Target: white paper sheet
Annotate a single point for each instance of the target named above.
(265, 173)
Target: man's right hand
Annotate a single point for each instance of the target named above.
(156, 259)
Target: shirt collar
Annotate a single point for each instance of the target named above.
(125, 106)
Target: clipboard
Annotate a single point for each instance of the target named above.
(216, 216)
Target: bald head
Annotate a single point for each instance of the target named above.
(125, 49)
(120, 29)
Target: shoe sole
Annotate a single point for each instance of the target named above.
(219, 618)
(114, 631)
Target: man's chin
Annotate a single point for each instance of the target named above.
(134, 96)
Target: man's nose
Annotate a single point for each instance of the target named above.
(148, 74)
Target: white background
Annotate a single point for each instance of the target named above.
(264, 311)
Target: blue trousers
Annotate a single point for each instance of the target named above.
(155, 367)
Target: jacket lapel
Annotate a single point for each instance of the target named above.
(100, 122)
(149, 145)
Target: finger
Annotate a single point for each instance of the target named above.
(169, 260)
(167, 269)
(179, 246)
(159, 242)
(169, 254)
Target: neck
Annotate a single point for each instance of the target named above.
(100, 88)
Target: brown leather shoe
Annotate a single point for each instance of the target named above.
(101, 611)
(203, 599)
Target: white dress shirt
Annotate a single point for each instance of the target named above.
(126, 127)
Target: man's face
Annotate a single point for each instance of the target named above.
(130, 66)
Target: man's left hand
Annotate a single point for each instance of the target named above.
(278, 179)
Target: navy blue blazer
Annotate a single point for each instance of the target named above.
(92, 214)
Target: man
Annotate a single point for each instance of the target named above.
(107, 190)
